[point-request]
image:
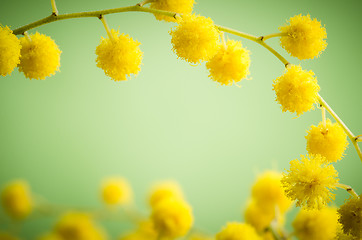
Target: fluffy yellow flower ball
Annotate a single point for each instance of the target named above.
(177, 6)
(350, 216)
(7, 236)
(195, 39)
(316, 224)
(310, 181)
(304, 37)
(237, 231)
(9, 51)
(296, 90)
(172, 218)
(164, 190)
(257, 216)
(78, 226)
(116, 191)
(329, 141)
(16, 200)
(119, 56)
(40, 56)
(230, 63)
(268, 192)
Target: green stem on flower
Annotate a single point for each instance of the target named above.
(348, 188)
(324, 117)
(106, 27)
(26, 35)
(222, 35)
(266, 37)
(323, 103)
(141, 4)
(54, 8)
(358, 138)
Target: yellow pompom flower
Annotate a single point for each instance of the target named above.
(257, 216)
(296, 90)
(237, 231)
(119, 56)
(304, 37)
(40, 56)
(177, 6)
(195, 39)
(164, 190)
(116, 191)
(172, 218)
(78, 226)
(9, 51)
(7, 236)
(316, 224)
(310, 181)
(330, 141)
(350, 216)
(16, 200)
(230, 63)
(268, 192)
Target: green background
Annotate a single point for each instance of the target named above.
(65, 134)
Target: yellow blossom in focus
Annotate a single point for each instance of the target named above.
(268, 192)
(350, 216)
(229, 64)
(330, 141)
(177, 6)
(296, 90)
(237, 231)
(164, 190)
(16, 200)
(310, 181)
(304, 37)
(257, 216)
(115, 191)
(195, 39)
(119, 56)
(7, 236)
(316, 224)
(40, 56)
(9, 51)
(78, 226)
(172, 218)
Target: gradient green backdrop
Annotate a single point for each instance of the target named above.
(64, 134)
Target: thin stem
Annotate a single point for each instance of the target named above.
(222, 35)
(26, 35)
(280, 57)
(54, 8)
(348, 188)
(106, 27)
(323, 103)
(266, 37)
(141, 4)
(358, 138)
(324, 117)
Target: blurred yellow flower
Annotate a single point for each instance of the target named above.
(40, 56)
(329, 141)
(116, 191)
(119, 56)
(177, 6)
(9, 51)
(50, 236)
(172, 218)
(195, 39)
(16, 199)
(310, 181)
(230, 63)
(304, 37)
(145, 231)
(257, 216)
(296, 90)
(316, 224)
(164, 190)
(237, 231)
(350, 216)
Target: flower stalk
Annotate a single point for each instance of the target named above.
(348, 188)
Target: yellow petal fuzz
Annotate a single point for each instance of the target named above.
(172, 218)
(177, 6)
(350, 216)
(230, 64)
(316, 224)
(9, 51)
(310, 181)
(116, 191)
(195, 39)
(330, 141)
(40, 56)
(296, 90)
(304, 37)
(119, 56)
(237, 231)
(164, 190)
(16, 200)
(78, 226)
